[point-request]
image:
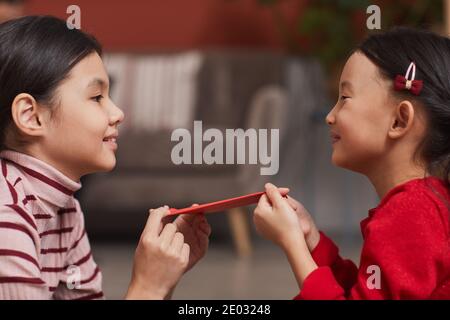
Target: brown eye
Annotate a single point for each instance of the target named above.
(97, 98)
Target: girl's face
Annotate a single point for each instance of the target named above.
(81, 133)
(360, 120)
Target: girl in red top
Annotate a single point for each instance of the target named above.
(392, 124)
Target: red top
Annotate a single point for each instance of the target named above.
(405, 254)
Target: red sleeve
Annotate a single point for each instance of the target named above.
(326, 253)
(401, 256)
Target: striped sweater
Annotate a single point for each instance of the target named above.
(44, 249)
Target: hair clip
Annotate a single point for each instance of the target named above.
(404, 83)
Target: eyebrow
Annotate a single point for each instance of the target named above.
(347, 84)
(97, 82)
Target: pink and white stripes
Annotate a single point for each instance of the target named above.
(44, 250)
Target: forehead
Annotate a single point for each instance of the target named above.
(359, 72)
(89, 71)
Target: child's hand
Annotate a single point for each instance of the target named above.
(196, 231)
(275, 219)
(160, 260)
(307, 224)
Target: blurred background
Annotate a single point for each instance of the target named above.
(269, 64)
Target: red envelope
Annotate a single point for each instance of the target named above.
(221, 205)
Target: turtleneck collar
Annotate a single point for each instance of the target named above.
(51, 184)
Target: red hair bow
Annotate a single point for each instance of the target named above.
(403, 83)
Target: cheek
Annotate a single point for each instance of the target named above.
(86, 129)
(94, 130)
(79, 134)
(362, 139)
(365, 138)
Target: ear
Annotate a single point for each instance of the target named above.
(402, 120)
(27, 115)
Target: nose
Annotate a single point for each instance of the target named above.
(116, 115)
(330, 118)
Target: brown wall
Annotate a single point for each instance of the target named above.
(174, 24)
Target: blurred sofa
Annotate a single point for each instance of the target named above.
(223, 89)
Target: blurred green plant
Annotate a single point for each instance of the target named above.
(329, 29)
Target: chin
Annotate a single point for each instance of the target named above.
(336, 159)
(340, 160)
(106, 165)
(350, 162)
(110, 166)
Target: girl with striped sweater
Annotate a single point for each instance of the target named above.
(57, 124)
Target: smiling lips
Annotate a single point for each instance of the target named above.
(334, 137)
(111, 140)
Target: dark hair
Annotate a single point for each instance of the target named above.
(36, 55)
(392, 52)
